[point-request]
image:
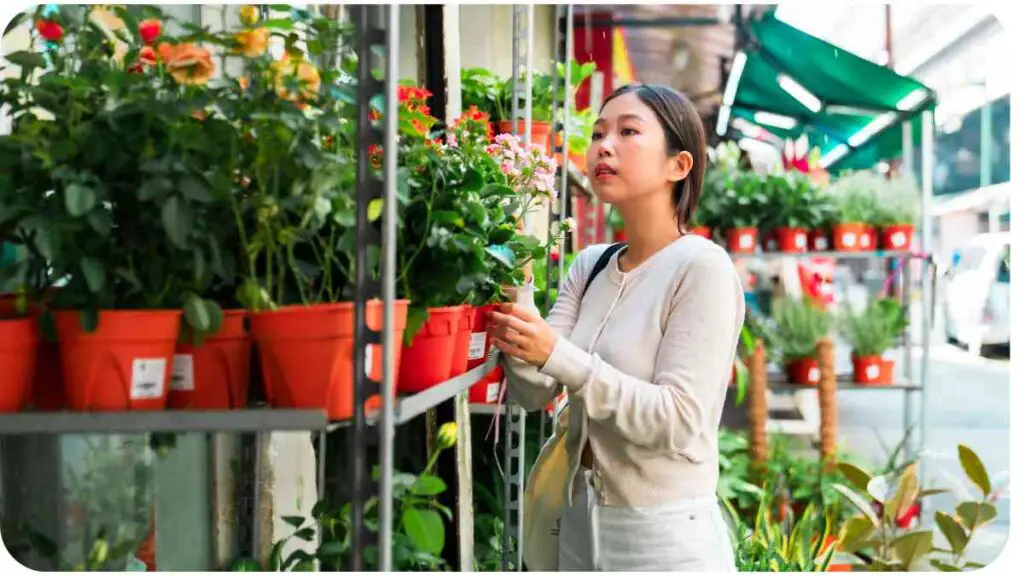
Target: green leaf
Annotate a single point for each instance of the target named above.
(245, 565)
(952, 530)
(177, 220)
(195, 189)
(94, 273)
(425, 528)
(859, 478)
(374, 210)
(912, 546)
(100, 221)
(306, 534)
(330, 550)
(973, 565)
(975, 470)
(906, 493)
(294, 521)
(448, 217)
(196, 314)
(415, 320)
(975, 514)
(857, 500)
(856, 530)
(932, 492)
(429, 486)
(878, 488)
(154, 188)
(944, 567)
(79, 200)
(500, 255)
(26, 60)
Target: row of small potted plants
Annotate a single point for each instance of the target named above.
(167, 237)
(787, 212)
(797, 326)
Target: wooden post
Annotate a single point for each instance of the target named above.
(757, 405)
(827, 401)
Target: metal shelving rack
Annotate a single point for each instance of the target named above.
(907, 385)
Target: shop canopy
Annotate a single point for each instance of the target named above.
(790, 83)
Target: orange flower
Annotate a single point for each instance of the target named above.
(187, 63)
(376, 155)
(252, 43)
(306, 74)
(148, 56)
(243, 82)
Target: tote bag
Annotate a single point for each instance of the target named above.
(545, 495)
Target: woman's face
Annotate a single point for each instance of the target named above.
(628, 156)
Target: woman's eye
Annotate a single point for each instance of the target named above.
(595, 136)
(629, 132)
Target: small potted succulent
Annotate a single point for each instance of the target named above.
(871, 333)
(798, 327)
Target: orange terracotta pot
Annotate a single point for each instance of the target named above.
(791, 240)
(872, 370)
(742, 240)
(804, 371)
(897, 237)
(847, 237)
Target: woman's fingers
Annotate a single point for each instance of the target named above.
(507, 321)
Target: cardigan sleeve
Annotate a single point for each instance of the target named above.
(692, 365)
(527, 385)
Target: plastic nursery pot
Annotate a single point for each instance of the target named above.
(871, 370)
(125, 364)
(486, 390)
(741, 240)
(306, 354)
(215, 374)
(46, 391)
(702, 231)
(428, 360)
(804, 371)
(819, 240)
(791, 239)
(769, 242)
(847, 237)
(897, 237)
(19, 343)
(869, 238)
(540, 132)
(460, 355)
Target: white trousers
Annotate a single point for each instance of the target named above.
(687, 536)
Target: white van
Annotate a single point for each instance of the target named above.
(977, 303)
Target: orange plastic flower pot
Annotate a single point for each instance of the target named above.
(869, 239)
(791, 240)
(847, 237)
(540, 132)
(125, 364)
(819, 240)
(741, 240)
(486, 390)
(306, 354)
(428, 360)
(460, 355)
(897, 237)
(804, 371)
(872, 370)
(19, 342)
(215, 374)
(47, 389)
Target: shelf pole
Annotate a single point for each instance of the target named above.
(927, 164)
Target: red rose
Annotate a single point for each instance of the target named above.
(50, 30)
(149, 30)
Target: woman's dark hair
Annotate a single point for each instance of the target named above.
(684, 132)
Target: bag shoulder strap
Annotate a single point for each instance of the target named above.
(602, 263)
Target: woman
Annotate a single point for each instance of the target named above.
(645, 355)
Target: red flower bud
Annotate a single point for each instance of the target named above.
(149, 30)
(50, 30)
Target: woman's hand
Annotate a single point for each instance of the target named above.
(523, 334)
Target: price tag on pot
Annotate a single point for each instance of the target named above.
(873, 372)
(899, 239)
(492, 392)
(800, 239)
(183, 373)
(849, 239)
(814, 375)
(477, 345)
(820, 243)
(368, 360)
(865, 240)
(746, 241)
(148, 378)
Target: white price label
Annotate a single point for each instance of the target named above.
(813, 375)
(477, 345)
(148, 375)
(183, 373)
(800, 239)
(492, 391)
(368, 360)
(849, 239)
(820, 243)
(899, 239)
(873, 372)
(865, 240)
(746, 241)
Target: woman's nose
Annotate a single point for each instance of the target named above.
(603, 146)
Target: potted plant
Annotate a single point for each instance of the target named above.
(855, 197)
(798, 327)
(788, 212)
(742, 207)
(879, 540)
(120, 214)
(871, 333)
(822, 217)
(19, 344)
(897, 213)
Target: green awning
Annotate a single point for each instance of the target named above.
(792, 83)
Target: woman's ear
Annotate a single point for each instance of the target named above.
(682, 163)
